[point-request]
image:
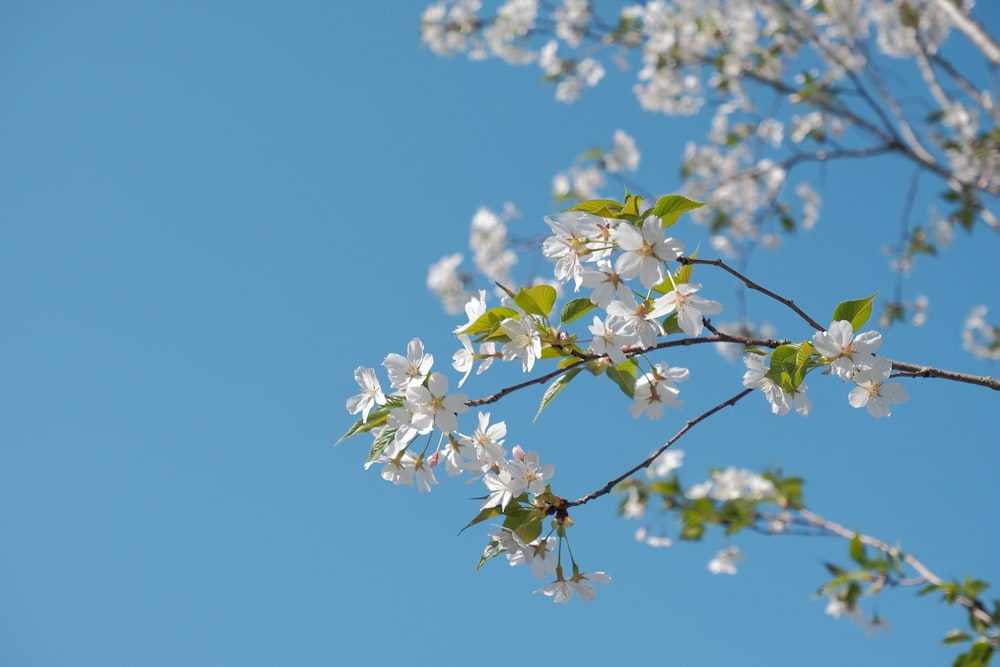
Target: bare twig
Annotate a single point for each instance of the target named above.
(913, 370)
(973, 30)
(754, 286)
(607, 488)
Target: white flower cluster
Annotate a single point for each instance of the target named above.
(421, 405)
(604, 254)
(850, 358)
(737, 54)
(492, 258)
(585, 182)
(979, 337)
(733, 484)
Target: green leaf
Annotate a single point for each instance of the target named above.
(554, 388)
(492, 550)
(683, 274)
(857, 550)
(376, 418)
(693, 530)
(670, 207)
(604, 208)
(488, 322)
(624, 375)
(632, 205)
(956, 636)
(385, 437)
(537, 300)
(484, 515)
(856, 312)
(575, 309)
(835, 570)
(973, 587)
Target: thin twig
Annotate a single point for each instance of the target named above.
(974, 606)
(913, 370)
(607, 488)
(754, 286)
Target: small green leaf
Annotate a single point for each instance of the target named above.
(856, 312)
(492, 550)
(490, 320)
(576, 309)
(835, 570)
(376, 418)
(693, 530)
(683, 274)
(554, 388)
(670, 207)
(624, 375)
(604, 208)
(956, 636)
(385, 437)
(857, 550)
(484, 515)
(632, 204)
(537, 300)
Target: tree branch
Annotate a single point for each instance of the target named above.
(754, 286)
(974, 606)
(913, 370)
(607, 488)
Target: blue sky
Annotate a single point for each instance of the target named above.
(214, 212)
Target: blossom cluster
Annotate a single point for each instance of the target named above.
(810, 65)
(849, 357)
(422, 405)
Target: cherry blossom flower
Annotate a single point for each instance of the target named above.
(487, 441)
(460, 456)
(756, 378)
(503, 488)
(732, 484)
(665, 463)
(424, 474)
(474, 308)
(651, 396)
(634, 506)
(409, 421)
(398, 469)
(691, 309)
(434, 402)
(575, 240)
(447, 284)
(605, 283)
(370, 396)
(581, 583)
(464, 359)
(873, 392)
(645, 251)
(408, 371)
(725, 561)
(610, 336)
(540, 554)
(847, 351)
(640, 318)
(525, 467)
(525, 343)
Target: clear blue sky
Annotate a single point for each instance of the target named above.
(213, 212)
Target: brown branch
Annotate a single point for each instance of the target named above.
(974, 606)
(606, 489)
(754, 286)
(493, 398)
(913, 370)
